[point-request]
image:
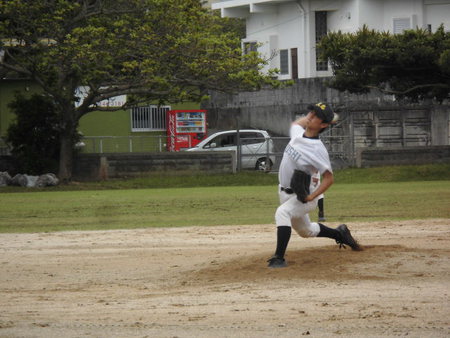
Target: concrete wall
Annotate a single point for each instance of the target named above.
(274, 109)
(371, 120)
(377, 157)
(104, 166)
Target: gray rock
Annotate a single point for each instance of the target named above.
(47, 180)
(5, 179)
(31, 180)
(19, 180)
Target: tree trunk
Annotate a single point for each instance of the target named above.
(65, 158)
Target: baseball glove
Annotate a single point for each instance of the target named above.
(300, 182)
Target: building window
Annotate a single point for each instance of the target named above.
(321, 31)
(284, 61)
(294, 63)
(149, 118)
(250, 47)
(401, 24)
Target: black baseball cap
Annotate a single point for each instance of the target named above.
(324, 112)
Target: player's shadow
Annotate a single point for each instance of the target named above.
(320, 263)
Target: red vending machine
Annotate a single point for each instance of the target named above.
(185, 128)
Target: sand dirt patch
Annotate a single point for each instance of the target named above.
(213, 282)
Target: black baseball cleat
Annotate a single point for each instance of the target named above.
(347, 238)
(277, 262)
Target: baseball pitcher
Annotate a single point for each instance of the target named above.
(303, 157)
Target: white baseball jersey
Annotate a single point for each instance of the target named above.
(307, 154)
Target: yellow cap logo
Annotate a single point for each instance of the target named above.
(321, 105)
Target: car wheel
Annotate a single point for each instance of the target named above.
(263, 164)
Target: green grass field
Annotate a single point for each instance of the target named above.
(247, 198)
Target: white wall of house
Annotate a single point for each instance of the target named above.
(371, 13)
(344, 17)
(262, 28)
(411, 10)
(286, 24)
(436, 12)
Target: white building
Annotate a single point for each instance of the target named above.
(287, 30)
(207, 3)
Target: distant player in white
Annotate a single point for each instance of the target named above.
(305, 152)
(315, 182)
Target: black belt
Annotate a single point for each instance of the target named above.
(287, 190)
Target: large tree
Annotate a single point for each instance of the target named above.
(414, 64)
(149, 50)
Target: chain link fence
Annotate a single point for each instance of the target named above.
(122, 144)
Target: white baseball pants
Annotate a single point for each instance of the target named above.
(294, 213)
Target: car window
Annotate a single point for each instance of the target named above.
(225, 140)
(251, 138)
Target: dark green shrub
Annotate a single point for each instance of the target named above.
(34, 135)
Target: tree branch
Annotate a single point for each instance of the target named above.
(16, 69)
(95, 9)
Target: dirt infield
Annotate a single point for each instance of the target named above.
(213, 282)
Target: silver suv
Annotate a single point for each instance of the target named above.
(256, 147)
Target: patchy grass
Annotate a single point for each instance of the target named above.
(204, 206)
